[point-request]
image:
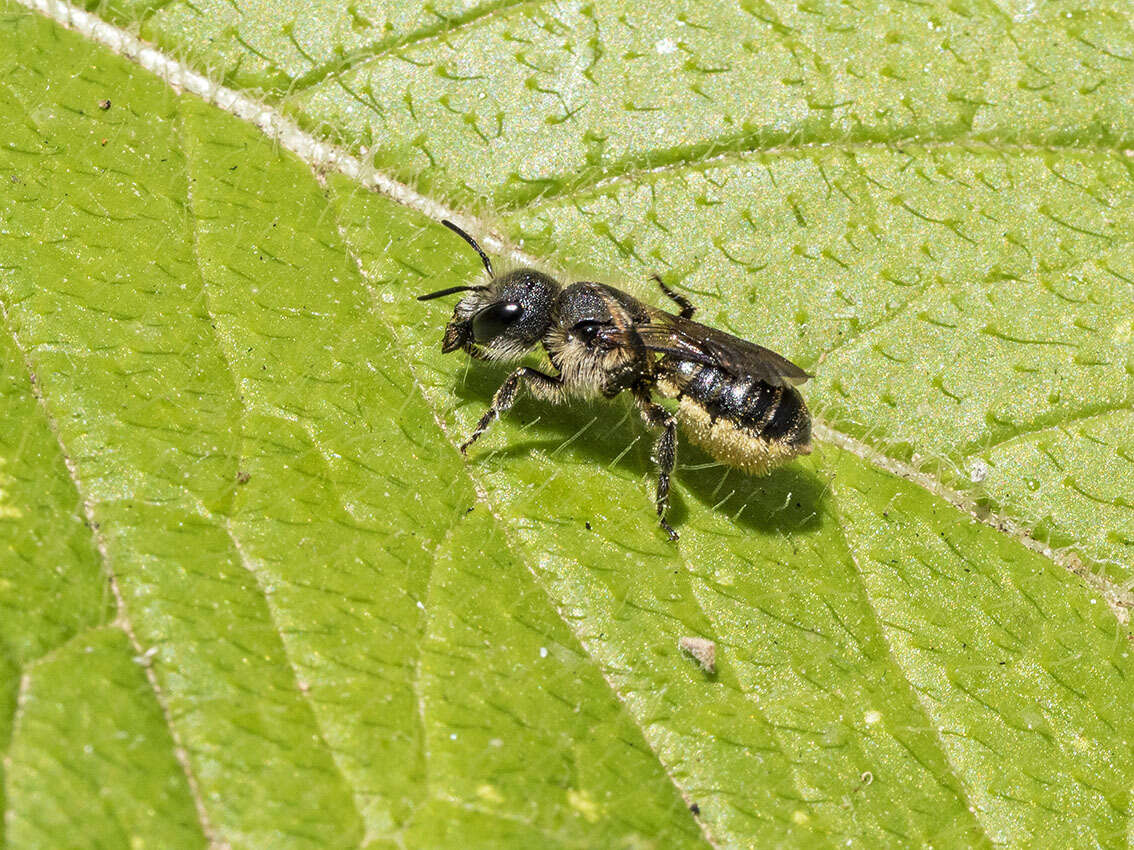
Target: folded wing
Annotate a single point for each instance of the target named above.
(683, 338)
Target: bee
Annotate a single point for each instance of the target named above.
(735, 399)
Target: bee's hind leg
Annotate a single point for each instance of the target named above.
(665, 451)
(541, 386)
(687, 308)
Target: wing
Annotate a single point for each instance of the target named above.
(666, 333)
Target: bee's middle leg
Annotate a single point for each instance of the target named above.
(665, 452)
(541, 386)
(687, 308)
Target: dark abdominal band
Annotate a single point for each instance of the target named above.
(763, 410)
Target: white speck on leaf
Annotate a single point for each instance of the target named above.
(701, 650)
(489, 793)
(584, 804)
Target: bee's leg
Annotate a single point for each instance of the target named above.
(541, 386)
(687, 308)
(665, 451)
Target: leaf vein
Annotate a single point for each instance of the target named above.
(225, 522)
(958, 785)
(181, 752)
(443, 29)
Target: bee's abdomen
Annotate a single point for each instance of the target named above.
(742, 421)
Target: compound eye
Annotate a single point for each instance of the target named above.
(492, 321)
(586, 330)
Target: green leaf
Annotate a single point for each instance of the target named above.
(140, 793)
(251, 593)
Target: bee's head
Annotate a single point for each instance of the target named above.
(502, 319)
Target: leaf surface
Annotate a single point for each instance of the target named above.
(239, 542)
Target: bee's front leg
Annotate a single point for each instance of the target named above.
(665, 451)
(541, 386)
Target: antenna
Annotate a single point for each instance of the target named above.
(483, 256)
(439, 293)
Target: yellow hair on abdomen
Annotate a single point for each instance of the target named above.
(732, 444)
